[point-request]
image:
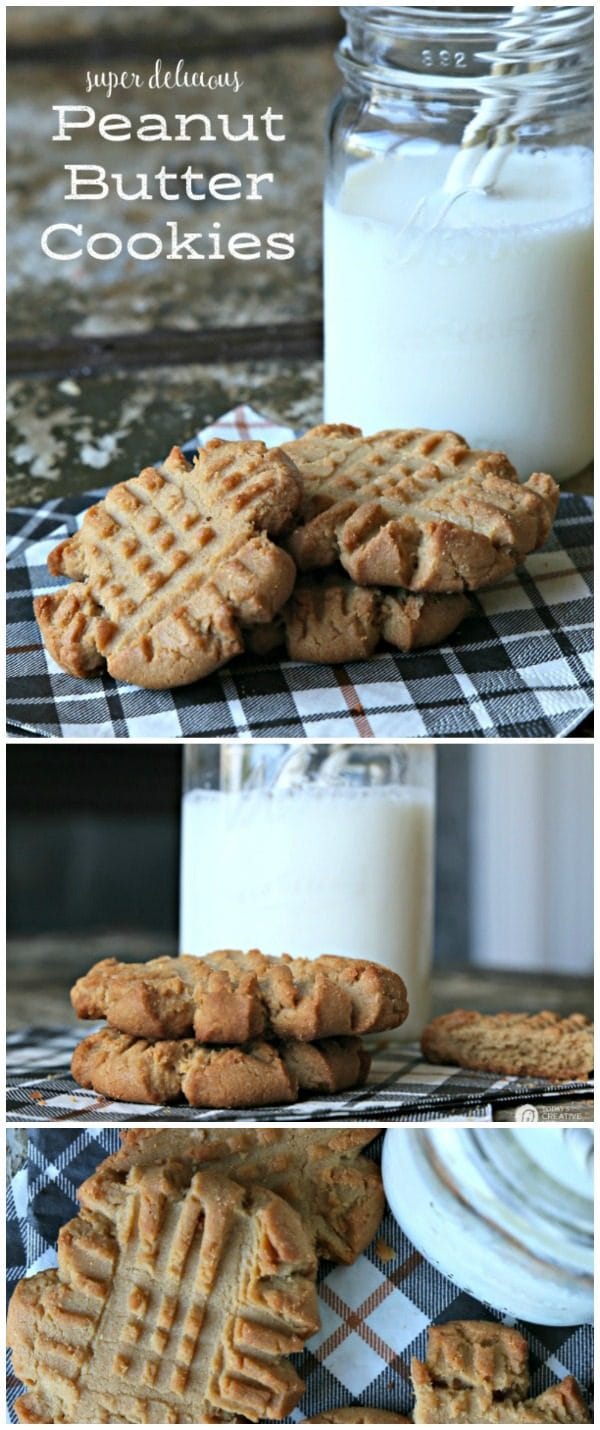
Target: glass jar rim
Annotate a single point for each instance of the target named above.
(474, 18)
(499, 38)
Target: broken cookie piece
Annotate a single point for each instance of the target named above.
(477, 1373)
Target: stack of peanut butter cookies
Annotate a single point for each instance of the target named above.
(180, 568)
(232, 1029)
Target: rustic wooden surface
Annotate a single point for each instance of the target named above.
(41, 971)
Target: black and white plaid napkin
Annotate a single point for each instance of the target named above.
(522, 665)
(401, 1087)
(374, 1315)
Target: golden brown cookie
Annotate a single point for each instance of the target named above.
(357, 1415)
(525, 1045)
(254, 1074)
(417, 509)
(176, 1301)
(320, 1171)
(332, 619)
(230, 997)
(477, 1373)
(168, 566)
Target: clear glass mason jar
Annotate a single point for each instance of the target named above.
(458, 228)
(310, 849)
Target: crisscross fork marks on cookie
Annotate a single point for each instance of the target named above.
(417, 508)
(230, 997)
(176, 1300)
(338, 1192)
(169, 564)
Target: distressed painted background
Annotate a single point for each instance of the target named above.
(112, 362)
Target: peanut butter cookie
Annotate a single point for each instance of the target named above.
(320, 1171)
(335, 620)
(230, 997)
(524, 1045)
(477, 1373)
(256, 1074)
(176, 1301)
(417, 509)
(168, 566)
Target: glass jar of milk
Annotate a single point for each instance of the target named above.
(310, 849)
(458, 228)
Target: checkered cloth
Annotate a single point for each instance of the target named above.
(374, 1315)
(522, 665)
(401, 1087)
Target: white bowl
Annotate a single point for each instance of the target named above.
(486, 1209)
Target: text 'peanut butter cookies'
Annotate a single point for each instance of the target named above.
(334, 620)
(519, 1044)
(338, 1193)
(168, 566)
(418, 509)
(254, 1074)
(230, 997)
(477, 1373)
(176, 1301)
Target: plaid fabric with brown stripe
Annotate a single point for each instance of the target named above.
(401, 1087)
(374, 1315)
(522, 665)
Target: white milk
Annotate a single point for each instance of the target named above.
(310, 872)
(483, 325)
